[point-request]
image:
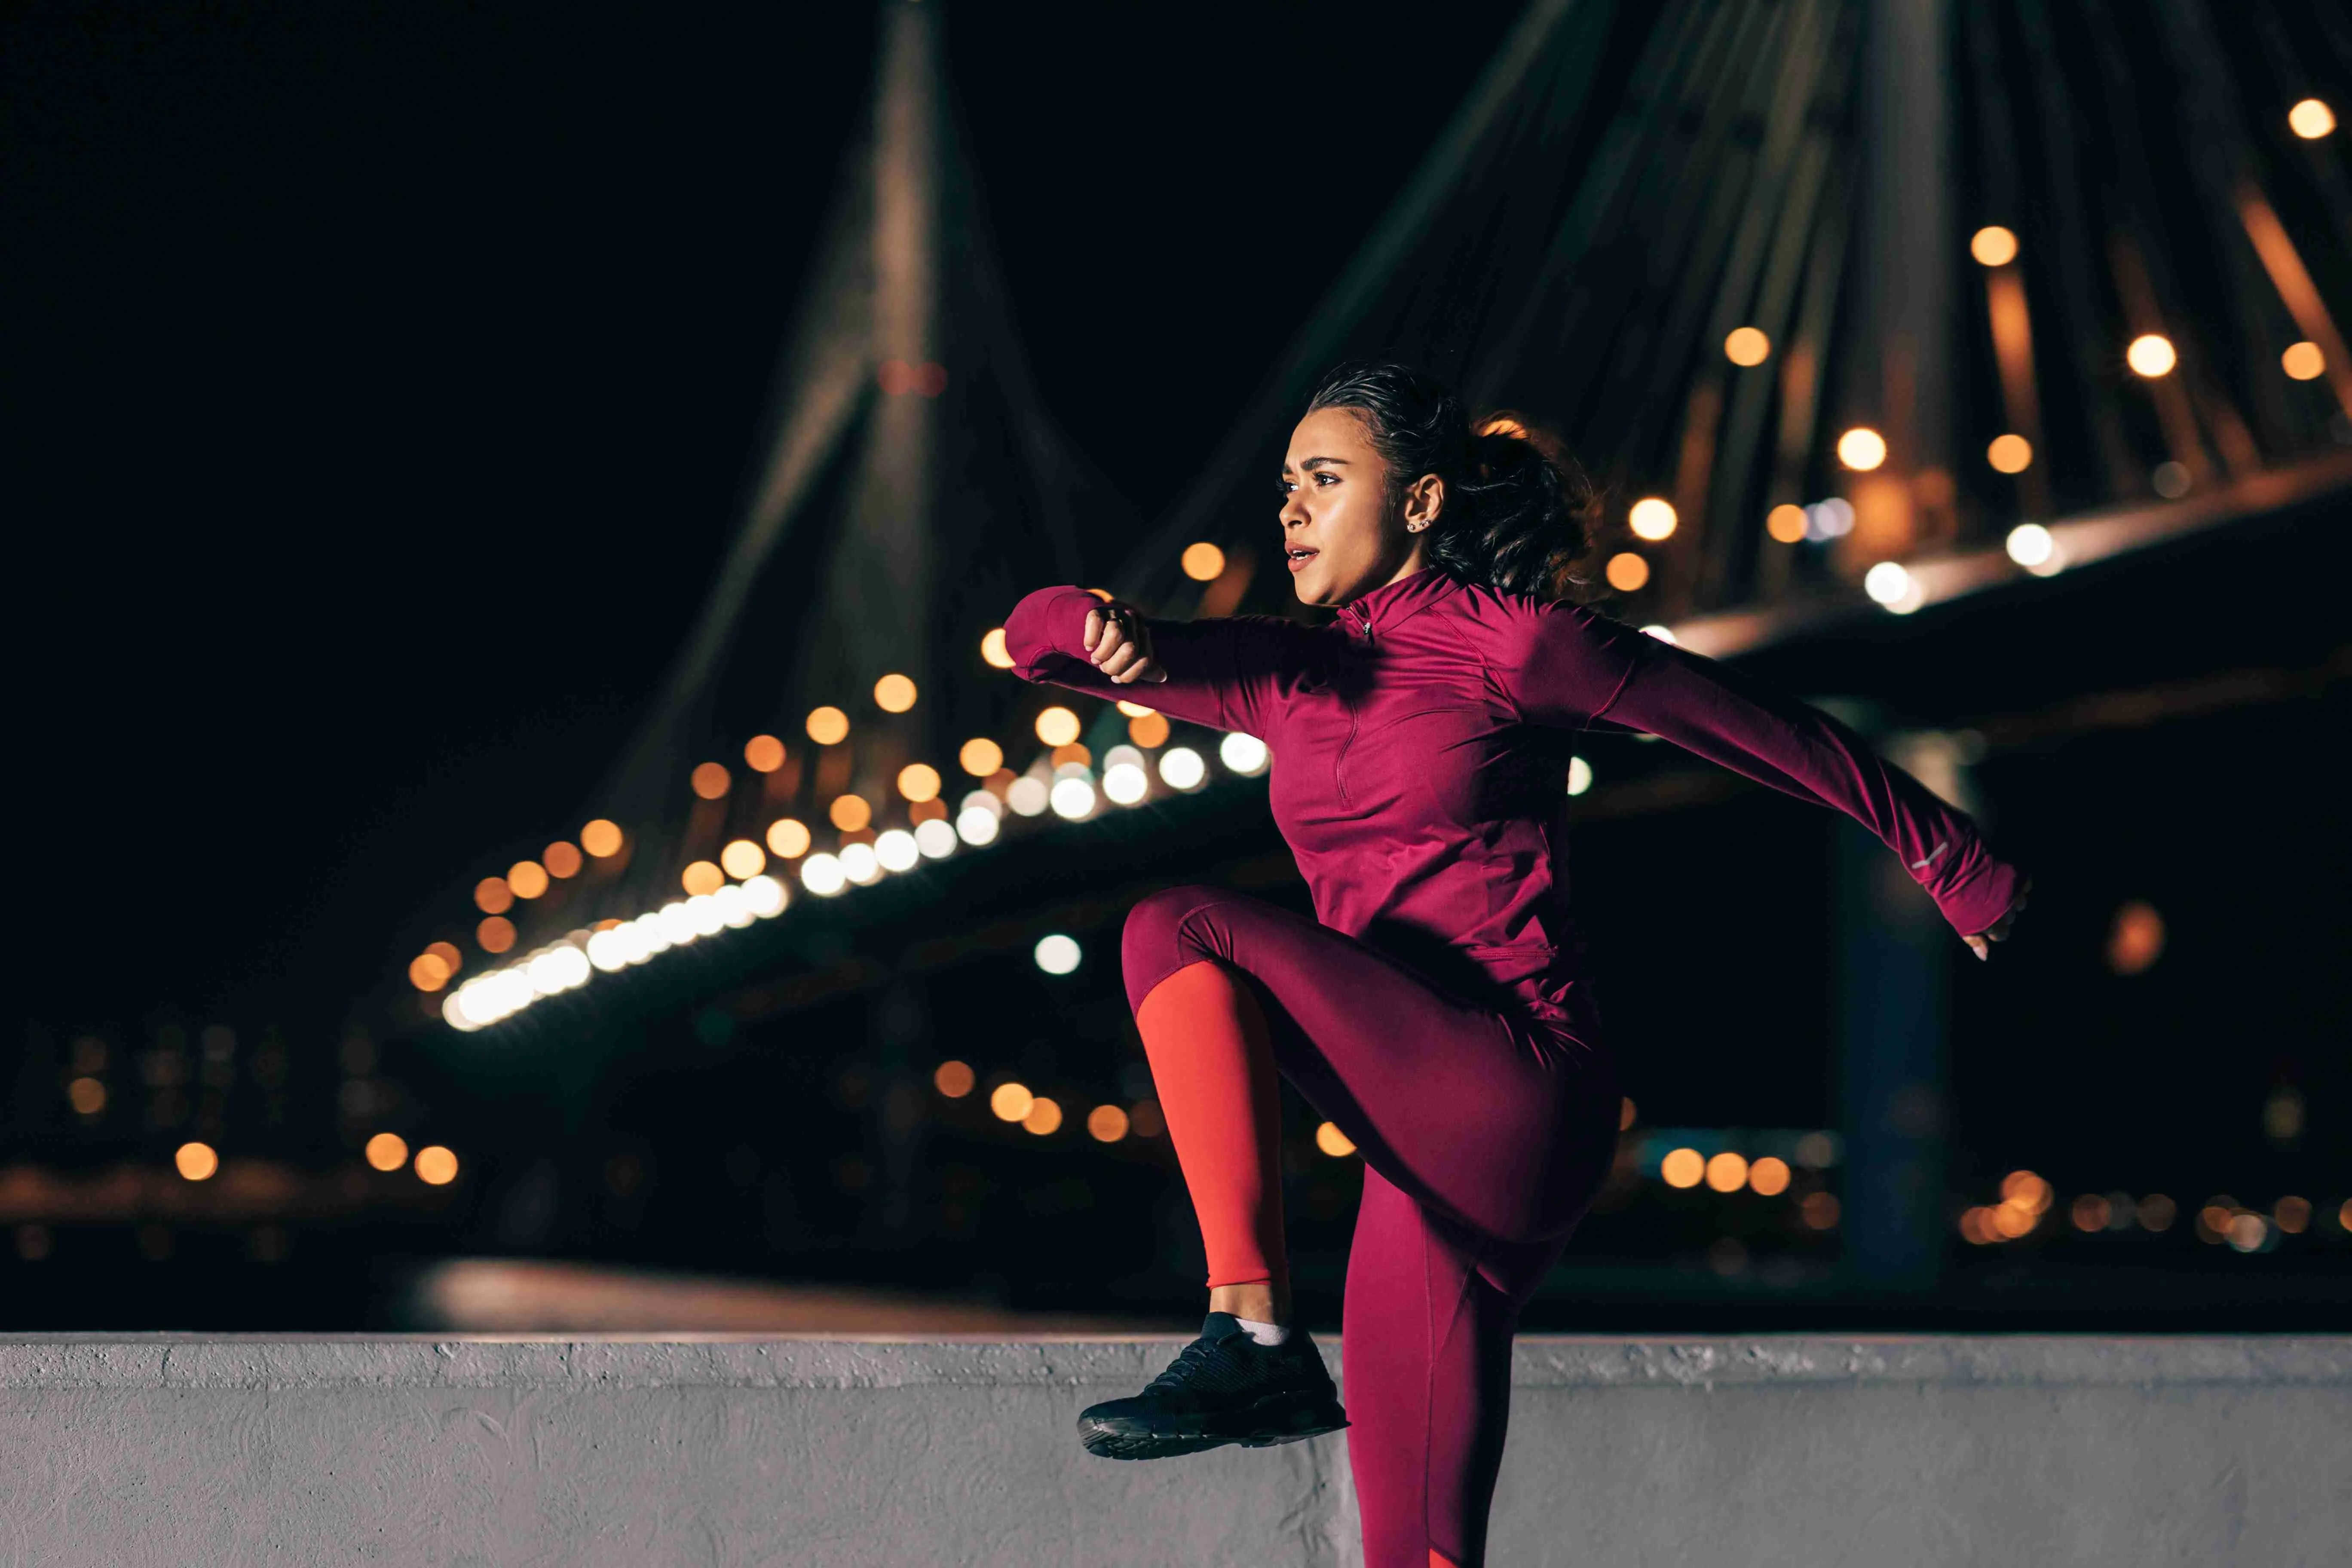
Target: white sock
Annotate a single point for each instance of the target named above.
(1264, 1333)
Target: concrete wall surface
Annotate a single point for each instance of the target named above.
(127, 1451)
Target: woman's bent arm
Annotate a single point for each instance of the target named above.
(1220, 673)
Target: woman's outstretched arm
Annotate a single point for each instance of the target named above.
(1580, 668)
(1222, 673)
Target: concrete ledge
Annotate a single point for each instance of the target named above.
(714, 1449)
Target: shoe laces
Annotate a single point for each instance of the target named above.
(1188, 1362)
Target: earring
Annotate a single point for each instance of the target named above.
(1414, 527)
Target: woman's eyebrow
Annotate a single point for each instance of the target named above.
(1307, 463)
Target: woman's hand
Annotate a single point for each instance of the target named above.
(1999, 931)
(1120, 646)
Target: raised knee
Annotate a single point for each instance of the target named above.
(1156, 942)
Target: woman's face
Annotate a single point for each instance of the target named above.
(1340, 535)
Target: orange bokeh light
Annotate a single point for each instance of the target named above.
(763, 753)
(527, 878)
(428, 972)
(743, 860)
(601, 838)
(1149, 731)
(492, 896)
(563, 859)
(981, 756)
(954, 1080)
(849, 812)
(920, 781)
(894, 694)
(828, 726)
(496, 933)
(788, 838)
(387, 1151)
(196, 1162)
(1769, 1176)
(702, 876)
(710, 780)
(993, 651)
(436, 1166)
(1202, 561)
(1627, 572)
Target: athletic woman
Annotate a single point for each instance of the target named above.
(1434, 1008)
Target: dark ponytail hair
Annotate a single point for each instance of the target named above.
(1517, 507)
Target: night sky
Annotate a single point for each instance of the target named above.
(380, 383)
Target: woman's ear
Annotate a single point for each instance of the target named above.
(1424, 499)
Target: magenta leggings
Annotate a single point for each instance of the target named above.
(1484, 1135)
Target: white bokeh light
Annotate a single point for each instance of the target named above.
(976, 827)
(765, 897)
(1580, 776)
(1026, 795)
(896, 850)
(1246, 754)
(1180, 767)
(935, 838)
(1126, 783)
(860, 864)
(1058, 954)
(821, 874)
(1073, 798)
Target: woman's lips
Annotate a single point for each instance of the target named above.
(1295, 561)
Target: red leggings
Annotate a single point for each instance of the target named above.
(1484, 1135)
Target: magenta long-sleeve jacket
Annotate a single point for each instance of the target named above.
(1421, 747)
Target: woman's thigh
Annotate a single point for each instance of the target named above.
(1498, 1120)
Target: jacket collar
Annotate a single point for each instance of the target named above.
(1393, 603)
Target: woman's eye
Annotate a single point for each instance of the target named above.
(1326, 479)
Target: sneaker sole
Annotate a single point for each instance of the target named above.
(1134, 1437)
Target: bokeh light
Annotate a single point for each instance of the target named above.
(448, 952)
(1180, 767)
(1728, 1172)
(86, 1096)
(710, 780)
(601, 838)
(2151, 354)
(1652, 518)
(1786, 522)
(428, 972)
(1747, 346)
(1819, 1211)
(1332, 1141)
(1626, 572)
(849, 813)
(763, 753)
(1044, 1116)
(823, 875)
(2010, 454)
(387, 1150)
(1887, 583)
(828, 726)
(1058, 954)
(1057, 726)
(2090, 1212)
(2303, 361)
(2030, 544)
(1107, 1124)
(1862, 449)
(436, 1166)
(527, 878)
(920, 782)
(1993, 245)
(195, 1160)
(2135, 938)
(788, 839)
(979, 756)
(1245, 754)
(954, 1079)
(1769, 1176)
(1203, 561)
(1010, 1101)
(992, 650)
(2310, 118)
(896, 850)
(1682, 1168)
(563, 859)
(701, 876)
(743, 859)
(495, 934)
(492, 896)
(1580, 776)
(1148, 730)
(894, 693)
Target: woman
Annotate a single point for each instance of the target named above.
(1432, 1009)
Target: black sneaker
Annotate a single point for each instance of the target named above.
(1223, 1388)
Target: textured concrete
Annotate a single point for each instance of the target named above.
(161, 1450)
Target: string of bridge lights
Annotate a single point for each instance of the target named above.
(1062, 783)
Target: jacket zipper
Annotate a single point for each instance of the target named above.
(1340, 762)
